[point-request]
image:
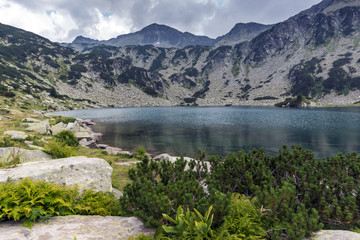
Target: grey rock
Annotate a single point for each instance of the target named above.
(24, 155)
(88, 144)
(117, 193)
(336, 234)
(16, 134)
(81, 227)
(57, 128)
(102, 146)
(87, 173)
(83, 135)
(31, 120)
(40, 127)
(127, 163)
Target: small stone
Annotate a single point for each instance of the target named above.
(102, 146)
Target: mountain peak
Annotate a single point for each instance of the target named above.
(81, 39)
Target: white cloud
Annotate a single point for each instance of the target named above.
(54, 24)
(63, 20)
(107, 26)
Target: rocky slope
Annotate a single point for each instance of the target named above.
(315, 53)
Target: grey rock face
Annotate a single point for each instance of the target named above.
(336, 234)
(16, 134)
(40, 127)
(87, 173)
(24, 155)
(81, 227)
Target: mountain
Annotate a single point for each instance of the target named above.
(242, 32)
(315, 53)
(154, 34)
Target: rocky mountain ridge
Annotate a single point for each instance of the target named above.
(315, 53)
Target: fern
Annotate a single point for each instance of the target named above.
(28, 201)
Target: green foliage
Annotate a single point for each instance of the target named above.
(67, 137)
(202, 92)
(265, 98)
(141, 237)
(293, 102)
(160, 186)
(60, 150)
(244, 220)
(300, 194)
(190, 225)
(51, 62)
(64, 120)
(157, 63)
(29, 201)
(78, 68)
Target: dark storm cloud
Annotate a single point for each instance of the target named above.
(109, 18)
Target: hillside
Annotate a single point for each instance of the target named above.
(315, 53)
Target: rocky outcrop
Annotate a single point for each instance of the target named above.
(16, 134)
(6, 154)
(87, 173)
(76, 227)
(40, 127)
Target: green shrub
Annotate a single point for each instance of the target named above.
(160, 187)
(302, 193)
(29, 200)
(67, 137)
(65, 120)
(244, 220)
(60, 150)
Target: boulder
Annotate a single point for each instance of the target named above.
(57, 128)
(24, 155)
(88, 144)
(40, 127)
(335, 234)
(102, 146)
(87, 173)
(16, 134)
(166, 156)
(83, 135)
(77, 227)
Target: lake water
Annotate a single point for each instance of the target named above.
(221, 130)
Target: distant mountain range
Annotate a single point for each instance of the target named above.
(315, 53)
(165, 36)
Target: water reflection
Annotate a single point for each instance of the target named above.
(220, 130)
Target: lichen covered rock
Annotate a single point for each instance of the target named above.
(87, 173)
(24, 155)
(76, 227)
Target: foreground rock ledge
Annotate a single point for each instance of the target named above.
(87, 173)
(81, 227)
(336, 235)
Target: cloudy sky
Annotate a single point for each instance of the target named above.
(63, 20)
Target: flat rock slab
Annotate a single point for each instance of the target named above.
(81, 227)
(336, 235)
(87, 173)
(16, 134)
(24, 155)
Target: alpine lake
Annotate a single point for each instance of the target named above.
(223, 130)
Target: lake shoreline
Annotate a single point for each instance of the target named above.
(225, 130)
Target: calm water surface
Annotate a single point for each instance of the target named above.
(221, 130)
